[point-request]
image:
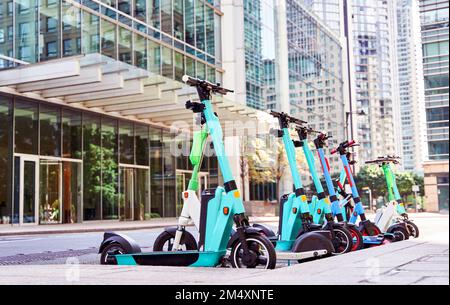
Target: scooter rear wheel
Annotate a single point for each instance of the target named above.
(164, 242)
(358, 240)
(400, 234)
(261, 253)
(342, 241)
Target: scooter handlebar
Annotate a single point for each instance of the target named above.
(344, 145)
(287, 117)
(196, 82)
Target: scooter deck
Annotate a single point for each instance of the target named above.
(177, 259)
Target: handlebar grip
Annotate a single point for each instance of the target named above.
(333, 151)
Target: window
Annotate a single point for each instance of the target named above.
(126, 140)
(71, 128)
(142, 144)
(110, 168)
(5, 160)
(50, 131)
(156, 172)
(26, 127)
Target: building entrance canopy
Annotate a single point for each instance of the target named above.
(101, 84)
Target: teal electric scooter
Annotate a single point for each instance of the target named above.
(320, 206)
(220, 209)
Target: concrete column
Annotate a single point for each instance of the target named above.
(233, 49)
(282, 66)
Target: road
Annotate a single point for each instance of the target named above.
(423, 260)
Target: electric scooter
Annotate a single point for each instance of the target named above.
(372, 235)
(220, 208)
(296, 231)
(337, 207)
(394, 213)
(320, 208)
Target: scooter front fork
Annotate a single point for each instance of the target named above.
(241, 222)
(329, 226)
(178, 236)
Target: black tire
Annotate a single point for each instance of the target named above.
(400, 234)
(342, 241)
(357, 238)
(259, 245)
(413, 230)
(113, 248)
(187, 242)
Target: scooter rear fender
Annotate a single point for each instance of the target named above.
(129, 244)
(248, 230)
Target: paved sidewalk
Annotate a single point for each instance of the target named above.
(420, 261)
(101, 226)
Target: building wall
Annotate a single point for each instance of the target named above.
(436, 186)
(411, 89)
(374, 29)
(166, 37)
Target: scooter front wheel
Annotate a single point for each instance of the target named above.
(413, 230)
(261, 253)
(342, 241)
(165, 240)
(358, 240)
(107, 256)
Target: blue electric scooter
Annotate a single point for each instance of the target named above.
(296, 231)
(220, 209)
(337, 207)
(320, 207)
(372, 235)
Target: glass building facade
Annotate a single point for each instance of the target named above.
(63, 164)
(435, 43)
(166, 37)
(84, 166)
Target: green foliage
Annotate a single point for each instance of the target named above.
(373, 177)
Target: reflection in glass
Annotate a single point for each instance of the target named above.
(189, 22)
(108, 36)
(125, 46)
(26, 127)
(126, 193)
(126, 139)
(109, 169)
(154, 57)
(50, 131)
(91, 33)
(142, 144)
(71, 127)
(91, 167)
(156, 174)
(167, 62)
(169, 177)
(140, 9)
(166, 16)
(141, 202)
(6, 32)
(199, 25)
(178, 22)
(71, 196)
(179, 66)
(71, 29)
(49, 30)
(26, 21)
(49, 192)
(5, 160)
(140, 51)
(29, 191)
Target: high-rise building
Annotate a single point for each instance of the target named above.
(411, 88)
(434, 17)
(374, 52)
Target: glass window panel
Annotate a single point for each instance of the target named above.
(154, 57)
(179, 66)
(26, 127)
(178, 22)
(110, 169)
(189, 22)
(154, 7)
(199, 25)
(26, 20)
(71, 127)
(142, 144)
(211, 74)
(210, 35)
(166, 16)
(124, 6)
(91, 167)
(91, 33)
(5, 160)
(125, 45)
(50, 130)
(6, 32)
(169, 176)
(140, 9)
(190, 66)
(201, 70)
(126, 138)
(142, 207)
(49, 30)
(167, 62)
(140, 51)
(108, 36)
(71, 27)
(156, 173)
